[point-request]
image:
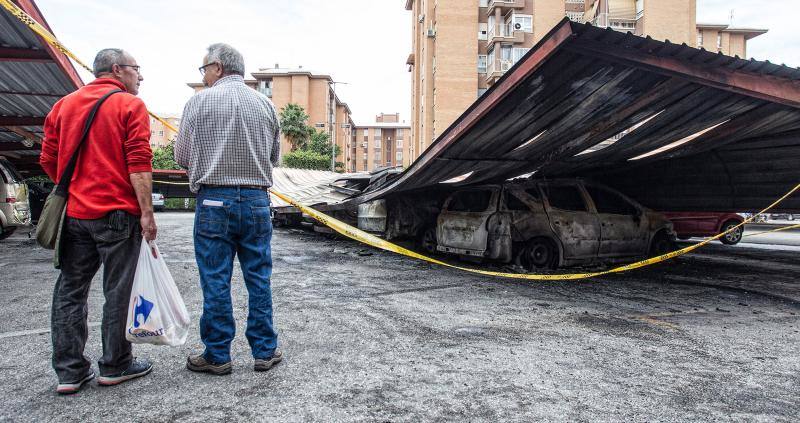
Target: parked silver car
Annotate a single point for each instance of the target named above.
(14, 208)
(548, 224)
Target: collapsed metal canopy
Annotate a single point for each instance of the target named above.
(33, 76)
(675, 127)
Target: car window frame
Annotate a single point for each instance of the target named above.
(637, 209)
(491, 205)
(588, 204)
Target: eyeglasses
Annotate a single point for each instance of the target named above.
(134, 67)
(202, 69)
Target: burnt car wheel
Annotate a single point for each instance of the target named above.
(540, 253)
(734, 236)
(427, 240)
(662, 244)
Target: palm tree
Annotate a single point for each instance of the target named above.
(293, 125)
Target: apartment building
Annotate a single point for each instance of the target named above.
(726, 39)
(160, 134)
(381, 144)
(316, 93)
(458, 52)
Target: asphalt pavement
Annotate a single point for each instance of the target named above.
(373, 336)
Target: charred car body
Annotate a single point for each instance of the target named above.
(546, 224)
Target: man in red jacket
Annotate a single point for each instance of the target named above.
(109, 209)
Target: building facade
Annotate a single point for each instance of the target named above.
(313, 92)
(382, 144)
(160, 134)
(458, 52)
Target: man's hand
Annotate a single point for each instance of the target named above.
(149, 228)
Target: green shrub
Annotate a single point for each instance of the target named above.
(303, 159)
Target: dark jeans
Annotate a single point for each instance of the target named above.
(232, 221)
(113, 241)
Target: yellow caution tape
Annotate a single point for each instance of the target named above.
(367, 238)
(784, 228)
(51, 39)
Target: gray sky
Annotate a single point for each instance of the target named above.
(364, 44)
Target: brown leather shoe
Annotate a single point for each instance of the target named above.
(262, 365)
(198, 363)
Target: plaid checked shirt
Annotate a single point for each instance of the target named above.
(229, 135)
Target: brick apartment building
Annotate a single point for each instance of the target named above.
(459, 52)
(160, 134)
(316, 94)
(381, 144)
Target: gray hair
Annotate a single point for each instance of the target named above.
(230, 58)
(106, 58)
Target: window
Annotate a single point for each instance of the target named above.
(483, 3)
(699, 38)
(470, 201)
(160, 133)
(519, 52)
(399, 157)
(481, 63)
(399, 143)
(481, 91)
(608, 202)
(378, 133)
(506, 52)
(565, 197)
(575, 16)
(365, 157)
(483, 31)
(523, 23)
(513, 203)
(377, 157)
(399, 134)
(152, 132)
(490, 57)
(719, 41)
(377, 143)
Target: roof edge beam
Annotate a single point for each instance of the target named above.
(24, 55)
(25, 134)
(21, 121)
(764, 87)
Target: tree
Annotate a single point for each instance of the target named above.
(320, 143)
(293, 124)
(164, 158)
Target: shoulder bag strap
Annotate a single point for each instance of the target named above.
(66, 175)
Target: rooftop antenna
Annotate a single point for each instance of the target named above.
(730, 20)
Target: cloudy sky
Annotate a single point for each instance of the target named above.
(363, 44)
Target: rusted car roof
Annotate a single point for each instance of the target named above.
(675, 127)
(33, 76)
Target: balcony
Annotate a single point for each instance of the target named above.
(504, 5)
(496, 69)
(505, 33)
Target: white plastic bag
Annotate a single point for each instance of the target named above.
(156, 314)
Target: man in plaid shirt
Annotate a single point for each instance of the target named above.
(229, 141)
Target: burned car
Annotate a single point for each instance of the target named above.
(547, 224)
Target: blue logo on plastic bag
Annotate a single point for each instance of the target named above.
(143, 308)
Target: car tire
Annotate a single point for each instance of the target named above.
(661, 244)
(539, 254)
(684, 237)
(790, 217)
(6, 231)
(427, 240)
(734, 237)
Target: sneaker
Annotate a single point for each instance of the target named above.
(137, 368)
(73, 388)
(262, 365)
(198, 363)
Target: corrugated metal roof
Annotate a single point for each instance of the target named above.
(29, 88)
(581, 86)
(308, 187)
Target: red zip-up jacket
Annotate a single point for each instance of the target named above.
(118, 145)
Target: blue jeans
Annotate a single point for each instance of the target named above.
(231, 221)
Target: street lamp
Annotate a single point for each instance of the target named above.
(333, 125)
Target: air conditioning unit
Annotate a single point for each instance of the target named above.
(505, 66)
(517, 26)
(319, 125)
(431, 32)
(421, 18)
